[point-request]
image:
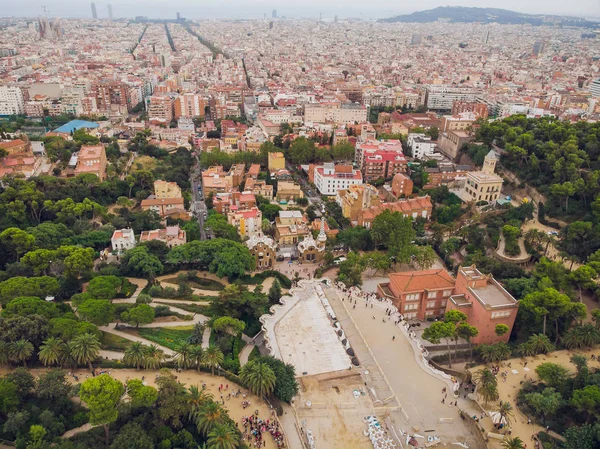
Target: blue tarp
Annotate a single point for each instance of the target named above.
(74, 125)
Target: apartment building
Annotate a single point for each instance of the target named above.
(419, 207)
(443, 97)
(430, 293)
(11, 101)
(276, 161)
(459, 122)
(189, 105)
(356, 198)
(259, 188)
(290, 227)
(160, 110)
(223, 203)
(330, 178)
(445, 173)
(91, 159)
(478, 108)
(165, 189)
(288, 191)
(108, 93)
(402, 185)
(19, 160)
(248, 222)
(421, 145)
(451, 142)
(339, 113)
(164, 207)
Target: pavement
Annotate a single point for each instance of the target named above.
(111, 330)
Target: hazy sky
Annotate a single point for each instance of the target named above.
(197, 9)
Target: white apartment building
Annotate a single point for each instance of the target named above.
(346, 113)
(330, 178)
(122, 240)
(421, 145)
(595, 88)
(442, 97)
(11, 101)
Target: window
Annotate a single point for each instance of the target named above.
(447, 292)
(443, 303)
(410, 316)
(411, 307)
(432, 294)
(430, 304)
(429, 313)
(503, 314)
(413, 297)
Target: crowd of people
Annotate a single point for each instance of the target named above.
(256, 428)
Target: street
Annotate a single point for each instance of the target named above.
(198, 206)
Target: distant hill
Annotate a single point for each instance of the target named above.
(488, 15)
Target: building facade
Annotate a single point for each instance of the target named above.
(122, 240)
(330, 178)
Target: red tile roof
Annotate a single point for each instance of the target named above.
(418, 281)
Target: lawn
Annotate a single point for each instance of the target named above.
(146, 162)
(111, 342)
(192, 308)
(171, 337)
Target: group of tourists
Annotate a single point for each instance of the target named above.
(255, 429)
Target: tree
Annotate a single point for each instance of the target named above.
(466, 331)
(139, 261)
(153, 357)
(275, 292)
(139, 394)
(423, 257)
(23, 380)
(17, 241)
(223, 437)
(286, 386)
(512, 443)
(587, 400)
(20, 351)
(545, 403)
(548, 303)
(596, 317)
(209, 415)
(104, 287)
(22, 286)
(133, 436)
(494, 353)
(221, 228)
(51, 350)
(488, 385)
(395, 232)
(505, 410)
(36, 437)
(16, 422)
(140, 314)
(53, 385)
(143, 298)
(583, 437)
(30, 305)
(501, 329)
(182, 356)
(228, 324)
(172, 401)
(85, 349)
(552, 374)
(196, 356)
(440, 330)
(102, 395)
(97, 311)
(586, 335)
(258, 377)
(213, 357)
(536, 344)
(135, 353)
(9, 399)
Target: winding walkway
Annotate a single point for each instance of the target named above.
(111, 330)
(523, 257)
(245, 353)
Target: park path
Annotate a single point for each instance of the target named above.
(206, 337)
(245, 353)
(521, 257)
(182, 301)
(111, 355)
(76, 431)
(111, 330)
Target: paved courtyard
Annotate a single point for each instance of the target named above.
(417, 390)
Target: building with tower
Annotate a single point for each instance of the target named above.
(110, 13)
(94, 13)
(274, 14)
(484, 185)
(311, 250)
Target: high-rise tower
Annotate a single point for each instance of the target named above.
(109, 7)
(94, 13)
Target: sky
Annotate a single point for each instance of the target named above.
(252, 9)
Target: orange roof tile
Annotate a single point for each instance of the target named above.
(416, 281)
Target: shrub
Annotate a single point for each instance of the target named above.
(155, 290)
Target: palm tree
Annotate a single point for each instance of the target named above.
(197, 398)
(208, 416)
(512, 443)
(85, 349)
(494, 353)
(505, 410)
(135, 354)
(540, 344)
(223, 437)
(4, 353)
(20, 351)
(589, 334)
(258, 377)
(488, 384)
(66, 356)
(213, 357)
(153, 357)
(525, 349)
(196, 356)
(51, 351)
(183, 355)
(573, 339)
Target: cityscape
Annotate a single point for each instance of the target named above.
(305, 226)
